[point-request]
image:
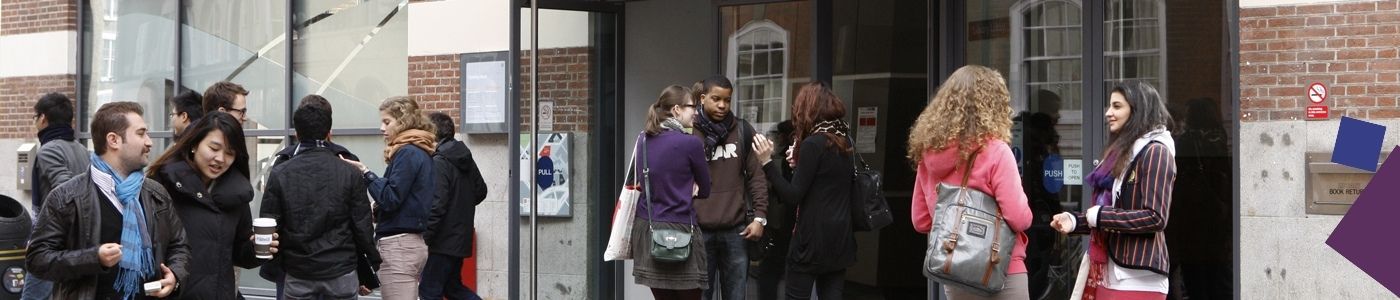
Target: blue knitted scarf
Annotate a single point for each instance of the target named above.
(137, 264)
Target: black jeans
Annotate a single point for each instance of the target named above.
(829, 285)
(770, 275)
(442, 277)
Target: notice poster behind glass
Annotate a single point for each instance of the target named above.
(484, 90)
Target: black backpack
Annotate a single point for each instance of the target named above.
(869, 211)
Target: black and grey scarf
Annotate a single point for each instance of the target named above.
(674, 124)
(715, 132)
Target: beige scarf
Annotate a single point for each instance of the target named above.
(423, 139)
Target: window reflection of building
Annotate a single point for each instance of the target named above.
(131, 48)
(1134, 42)
(111, 10)
(758, 64)
(1046, 50)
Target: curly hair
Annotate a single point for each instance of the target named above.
(971, 107)
(406, 111)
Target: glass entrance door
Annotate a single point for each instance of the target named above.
(1053, 129)
(568, 110)
(1061, 59)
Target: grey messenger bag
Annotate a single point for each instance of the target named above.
(970, 244)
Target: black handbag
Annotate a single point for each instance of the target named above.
(869, 211)
(667, 245)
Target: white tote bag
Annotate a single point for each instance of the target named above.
(620, 240)
(1081, 279)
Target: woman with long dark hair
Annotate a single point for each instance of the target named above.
(674, 167)
(1132, 192)
(206, 174)
(822, 244)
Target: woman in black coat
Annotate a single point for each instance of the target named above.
(206, 174)
(822, 244)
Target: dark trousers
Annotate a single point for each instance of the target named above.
(664, 294)
(728, 260)
(829, 285)
(770, 276)
(442, 277)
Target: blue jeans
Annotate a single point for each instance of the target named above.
(442, 277)
(728, 263)
(35, 288)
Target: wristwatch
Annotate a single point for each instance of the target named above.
(761, 221)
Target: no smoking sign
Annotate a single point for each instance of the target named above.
(1317, 93)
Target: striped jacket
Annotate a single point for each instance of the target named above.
(1134, 226)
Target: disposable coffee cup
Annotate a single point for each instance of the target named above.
(263, 228)
(151, 288)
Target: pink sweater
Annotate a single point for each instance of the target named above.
(993, 172)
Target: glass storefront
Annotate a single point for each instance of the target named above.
(1060, 58)
(353, 54)
(1059, 127)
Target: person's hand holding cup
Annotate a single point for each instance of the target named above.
(264, 237)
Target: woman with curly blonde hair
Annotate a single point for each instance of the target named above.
(964, 130)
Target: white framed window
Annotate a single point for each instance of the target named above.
(1047, 72)
(758, 63)
(1135, 42)
(1047, 42)
(109, 57)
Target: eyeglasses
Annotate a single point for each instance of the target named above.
(687, 105)
(241, 112)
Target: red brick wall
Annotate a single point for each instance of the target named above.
(564, 79)
(17, 97)
(435, 81)
(18, 94)
(31, 16)
(1351, 47)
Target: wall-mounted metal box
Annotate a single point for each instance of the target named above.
(26, 154)
(1333, 187)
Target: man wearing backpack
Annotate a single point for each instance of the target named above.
(737, 208)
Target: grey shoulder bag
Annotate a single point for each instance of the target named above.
(970, 244)
(667, 245)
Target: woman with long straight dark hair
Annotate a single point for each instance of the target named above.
(206, 174)
(674, 167)
(1132, 192)
(822, 244)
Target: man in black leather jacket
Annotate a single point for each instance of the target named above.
(322, 212)
(77, 242)
(449, 237)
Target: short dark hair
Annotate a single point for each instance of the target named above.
(312, 119)
(56, 107)
(445, 127)
(111, 118)
(221, 95)
(716, 81)
(189, 103)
